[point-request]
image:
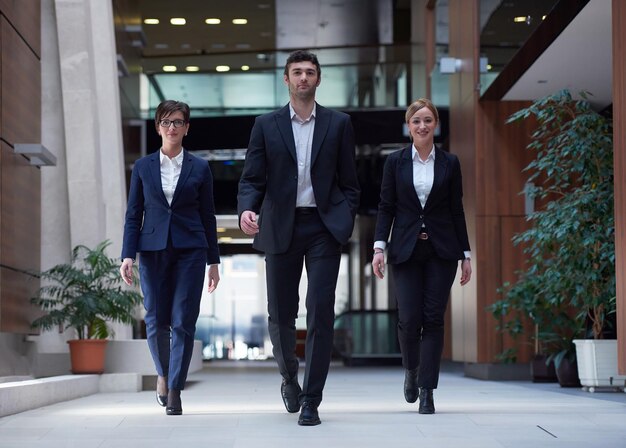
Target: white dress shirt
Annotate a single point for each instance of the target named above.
(303, 136)
(170, 172)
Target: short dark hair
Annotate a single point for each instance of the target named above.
(167, 107)
(301, 56)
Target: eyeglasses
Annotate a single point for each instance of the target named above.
(165, 123)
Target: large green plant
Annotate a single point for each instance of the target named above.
(569, 280)
(84, 294)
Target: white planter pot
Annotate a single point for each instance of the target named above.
(597, 364)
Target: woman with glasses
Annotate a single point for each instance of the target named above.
(170, 222)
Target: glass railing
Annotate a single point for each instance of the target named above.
(367, 337)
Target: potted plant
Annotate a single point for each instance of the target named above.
(85, 294)
(570, 270)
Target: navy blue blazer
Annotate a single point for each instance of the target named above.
(268, 184)
(190, 220)
(400, 207)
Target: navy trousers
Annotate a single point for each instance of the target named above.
(172, 281)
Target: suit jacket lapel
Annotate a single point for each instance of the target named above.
(184, 174)
(407, 174)
(441, 166)
(283, 121)
(322, 121)
(155, 171)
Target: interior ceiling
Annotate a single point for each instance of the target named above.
(579, 60)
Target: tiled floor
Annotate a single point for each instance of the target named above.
(239, 406)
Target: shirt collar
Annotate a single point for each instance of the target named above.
(294, 115)
(177, 161)
(431, 156)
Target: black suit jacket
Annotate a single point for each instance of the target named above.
(268, 184)
(400, 207)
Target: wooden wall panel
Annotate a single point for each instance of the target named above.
(25, 16)
(619, 147)
(20, 183)
(20, 190)
(21, 89)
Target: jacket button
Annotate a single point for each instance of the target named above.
(169, 210)
(421, 216)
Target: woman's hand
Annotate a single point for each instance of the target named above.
(213, 277)
(126, 270)
(378, 264)
(466, 271)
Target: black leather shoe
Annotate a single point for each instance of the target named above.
(174, 405)
(161, 399)
(427, 404)
(290, 391)
(309, 415)
(411, 391)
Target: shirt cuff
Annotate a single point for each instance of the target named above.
(380, 245)
(467, 253)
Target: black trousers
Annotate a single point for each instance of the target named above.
(313, 246)
(423, 285)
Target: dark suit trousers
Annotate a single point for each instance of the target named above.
(423, 285)
(314, 246)
(172, 281)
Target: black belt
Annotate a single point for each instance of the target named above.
(306, 210)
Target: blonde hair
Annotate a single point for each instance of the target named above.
(420, 104)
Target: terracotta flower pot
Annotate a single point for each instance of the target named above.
(87, 355)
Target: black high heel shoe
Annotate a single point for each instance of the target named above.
(174, 405)
(161, 399)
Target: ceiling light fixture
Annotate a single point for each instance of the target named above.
(151, 21)
(178, 21)
(245, 68)
(519, 19)
(240, 21)
(222, 68)
(192, 68)
(213, 21)
(169, 68)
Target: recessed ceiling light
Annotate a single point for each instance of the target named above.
(245, 68)
(185, 46)
(519, 19)
(178, 21)
(543, 17)
(151, 21)
(212, 21)
(192, 68)
(161, 46)
(240, 21)
(489, 66)
(222, 68)
(169, 68)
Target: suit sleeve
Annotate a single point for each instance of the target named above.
(207, 213)
(134, 215)
(253, 178)
(347, 175)
(387, 204)
(456, 206)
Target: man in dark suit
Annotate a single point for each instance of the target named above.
(298, 195)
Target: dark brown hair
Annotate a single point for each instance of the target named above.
(301, 56)
(167, 107)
